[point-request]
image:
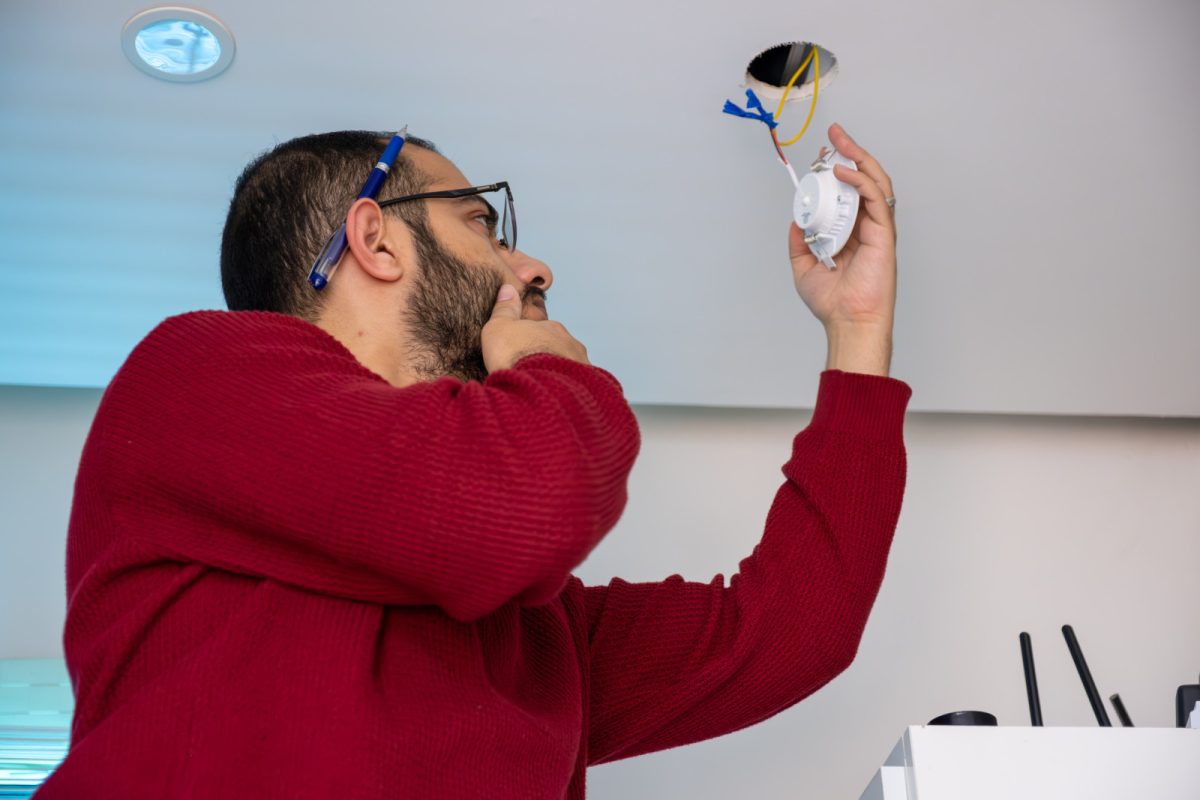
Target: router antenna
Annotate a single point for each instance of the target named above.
(1035, 703)
(1085, 675)
(1122, 714)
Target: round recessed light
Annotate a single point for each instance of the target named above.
(177, 44)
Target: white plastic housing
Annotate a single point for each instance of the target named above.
(826, 208)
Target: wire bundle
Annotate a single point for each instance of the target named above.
(754, 107)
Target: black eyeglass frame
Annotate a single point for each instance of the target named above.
(510, 212)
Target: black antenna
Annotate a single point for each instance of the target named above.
(1085, 675)
(1122, 714)
(1035, 704)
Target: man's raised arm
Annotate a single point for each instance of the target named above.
(281, 456)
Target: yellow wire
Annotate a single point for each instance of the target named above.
(816, 59)
(792, 82)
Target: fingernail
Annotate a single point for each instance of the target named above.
(507, 292)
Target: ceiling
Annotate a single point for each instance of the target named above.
(1043, 155)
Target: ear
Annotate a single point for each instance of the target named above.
(373, 243)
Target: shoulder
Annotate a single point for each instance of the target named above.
(214, 349)
(205, 335)
(198, 332)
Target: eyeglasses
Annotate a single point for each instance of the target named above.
(507, 230)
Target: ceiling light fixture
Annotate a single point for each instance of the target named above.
(178, 44)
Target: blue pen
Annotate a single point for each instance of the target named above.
(326, 263)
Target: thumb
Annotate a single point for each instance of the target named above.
(508, 303)
(796, 244)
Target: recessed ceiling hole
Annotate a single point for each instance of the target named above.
(770, 70)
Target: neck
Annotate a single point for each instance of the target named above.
(377, 344)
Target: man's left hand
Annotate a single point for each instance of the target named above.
(862, 290)
(855, 302)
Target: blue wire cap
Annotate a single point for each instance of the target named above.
(754, 110)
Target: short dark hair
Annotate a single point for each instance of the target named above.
(287, 203)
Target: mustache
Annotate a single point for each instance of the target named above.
(530, 293)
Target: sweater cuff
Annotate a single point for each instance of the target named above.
(866, 406)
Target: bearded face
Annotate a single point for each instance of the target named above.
(451, 301)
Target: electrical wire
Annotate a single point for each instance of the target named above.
(799, 71)
(783, 159)
(778, 149)
(816, 59)
(754, 109)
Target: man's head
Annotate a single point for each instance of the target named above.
(419, 278)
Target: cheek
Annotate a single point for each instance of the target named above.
(508, 275)
(483, 290)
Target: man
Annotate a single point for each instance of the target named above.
(321, 544)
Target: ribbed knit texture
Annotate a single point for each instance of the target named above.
(288, 579)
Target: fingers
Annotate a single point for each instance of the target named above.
(851, 150)
(797, 247)
(508, 303)
(871, 193)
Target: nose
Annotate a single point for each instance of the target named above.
(529, 270)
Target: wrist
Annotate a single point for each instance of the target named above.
(860, 347)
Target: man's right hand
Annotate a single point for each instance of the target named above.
(507, 338)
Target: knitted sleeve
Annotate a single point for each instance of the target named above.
(676, 662)
(280, 456)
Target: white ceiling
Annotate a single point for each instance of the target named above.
(1043, 155)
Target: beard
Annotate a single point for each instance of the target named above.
(451, 302)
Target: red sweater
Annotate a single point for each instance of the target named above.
(288, 579)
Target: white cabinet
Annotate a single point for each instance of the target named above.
(932, 762)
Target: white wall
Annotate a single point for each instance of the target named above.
(1009, 524)
(41, 436)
